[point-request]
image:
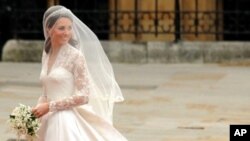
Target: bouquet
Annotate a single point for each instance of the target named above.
(23, 122)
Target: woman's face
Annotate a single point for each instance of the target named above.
(61, 32)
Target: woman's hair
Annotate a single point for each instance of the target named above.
(50, 22)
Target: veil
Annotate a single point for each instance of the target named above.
(104, 90)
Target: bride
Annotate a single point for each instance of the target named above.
(79, 88)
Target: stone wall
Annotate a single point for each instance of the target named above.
(143, 52)
(22, 51)
(182, 52)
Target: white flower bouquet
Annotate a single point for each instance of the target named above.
(23, 122)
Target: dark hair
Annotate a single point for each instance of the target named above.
(49, 24)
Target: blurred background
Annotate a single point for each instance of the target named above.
(135, 21)
(165, 20)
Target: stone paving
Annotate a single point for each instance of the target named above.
(164, 102)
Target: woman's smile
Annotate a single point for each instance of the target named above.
(62, 31)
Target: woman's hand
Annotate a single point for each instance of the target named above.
(40, 109)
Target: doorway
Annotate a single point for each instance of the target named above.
(236, 20)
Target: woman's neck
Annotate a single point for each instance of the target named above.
(55, 49)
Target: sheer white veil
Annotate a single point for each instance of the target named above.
(104, 90)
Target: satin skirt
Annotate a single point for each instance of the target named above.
(77, 124)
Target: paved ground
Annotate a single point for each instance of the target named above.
(178, 102)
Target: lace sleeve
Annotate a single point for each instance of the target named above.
(82, 88)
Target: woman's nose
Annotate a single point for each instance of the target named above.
(66, 32)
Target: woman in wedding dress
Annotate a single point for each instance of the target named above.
(79, 87)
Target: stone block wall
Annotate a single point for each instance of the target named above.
(22, 51)
(142, 52)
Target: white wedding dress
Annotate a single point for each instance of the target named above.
(71, 118)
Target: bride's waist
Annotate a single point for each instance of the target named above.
(58, 96)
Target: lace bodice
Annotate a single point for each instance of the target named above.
(66, 84)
